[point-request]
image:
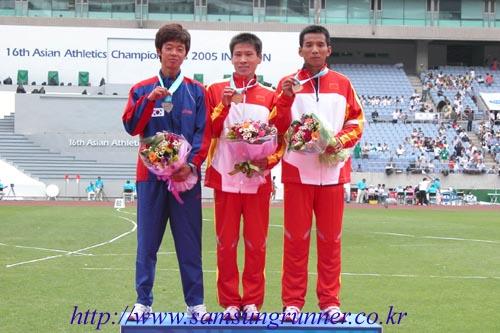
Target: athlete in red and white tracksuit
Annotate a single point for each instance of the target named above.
(313, 187)
(237, 195)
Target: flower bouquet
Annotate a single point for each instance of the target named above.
(248, 141)
(163, 154)
(308, 135)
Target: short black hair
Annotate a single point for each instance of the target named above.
(172, 31)
(314, 29)
(246, 38)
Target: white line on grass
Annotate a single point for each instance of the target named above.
(314, 273)
(443, 238)
(45, 249)
(128, 254)
(422, 276)
(80, 250)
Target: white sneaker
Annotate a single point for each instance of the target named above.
(251, 312)
(291, 313)
(231, 313)
(140, 312)
(333, 314)
(198, 312)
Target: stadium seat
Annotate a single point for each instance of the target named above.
(22, 76)
(83, 78)
(198, 77)
(53, 78)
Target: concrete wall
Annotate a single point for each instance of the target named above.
(86, 126)
(456, 181)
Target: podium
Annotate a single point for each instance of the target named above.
(173, 322)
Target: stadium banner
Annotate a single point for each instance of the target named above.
(492, 100)
(126, 56)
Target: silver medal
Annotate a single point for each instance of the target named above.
(167, 106)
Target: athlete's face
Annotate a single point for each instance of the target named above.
(172, 56)
(245, 60)
(315, 50)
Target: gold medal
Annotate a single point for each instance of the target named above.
(167, 106)
(237, 98)
(297, 87)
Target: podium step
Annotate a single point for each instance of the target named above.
(177, 322)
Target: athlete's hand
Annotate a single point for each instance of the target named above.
(227, 95)
(182, 174)
(260, 163)
(157, 93)
(287, 86)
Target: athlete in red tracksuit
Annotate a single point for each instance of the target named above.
(314, 187)
(235, 100)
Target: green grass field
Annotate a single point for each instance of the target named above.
(441, 267)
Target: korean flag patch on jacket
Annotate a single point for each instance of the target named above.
(158, 112)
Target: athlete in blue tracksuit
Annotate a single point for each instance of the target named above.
(146, 113)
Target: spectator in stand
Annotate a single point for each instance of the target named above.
(470, 119)
(484, 147)
(366, 150)
(422, 162)
(451, 165)
(472, 73)
(425, 90)
(488, 81)
(493, 170)
(375, 116)
(440, 105)
(444, 154)
(480, 166)
(494, 65)
(400, 151)
(395, 116)
(357, 150)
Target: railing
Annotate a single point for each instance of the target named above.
(406, 13)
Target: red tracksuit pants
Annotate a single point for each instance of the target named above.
(327, 204)
(229, 208)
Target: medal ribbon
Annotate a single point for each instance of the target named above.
(301, 82)
(172, 88)
(241, 90)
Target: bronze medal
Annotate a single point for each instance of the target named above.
(237, 98)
